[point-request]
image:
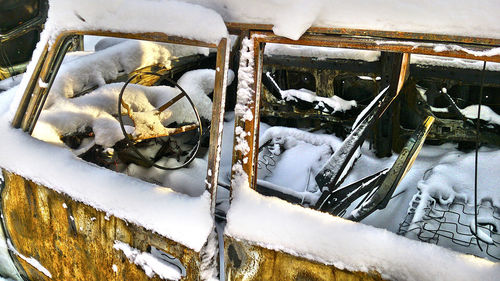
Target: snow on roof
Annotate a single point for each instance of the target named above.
(447, 17)
(291, 18)
(170, 17)
(179, 217)
(321, 53)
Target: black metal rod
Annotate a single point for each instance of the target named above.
(478, 138)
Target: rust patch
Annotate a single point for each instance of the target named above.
(258, 263)
(74, 241)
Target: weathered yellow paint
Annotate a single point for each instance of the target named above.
(76, 242)
(245, 262)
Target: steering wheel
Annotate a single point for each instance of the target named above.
(152, 129)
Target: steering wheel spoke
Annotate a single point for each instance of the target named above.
(167, 132)
(149, 124)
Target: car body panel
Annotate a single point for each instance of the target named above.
(73, 240)
(245, 261)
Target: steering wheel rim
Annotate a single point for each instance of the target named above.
(131, 143)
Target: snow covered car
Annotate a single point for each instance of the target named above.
(115, 166)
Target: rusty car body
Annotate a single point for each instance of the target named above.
(77, 242)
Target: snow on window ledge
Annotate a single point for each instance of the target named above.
(277, 225)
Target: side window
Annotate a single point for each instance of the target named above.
(136, 107)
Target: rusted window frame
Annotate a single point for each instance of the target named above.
(400, 42)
